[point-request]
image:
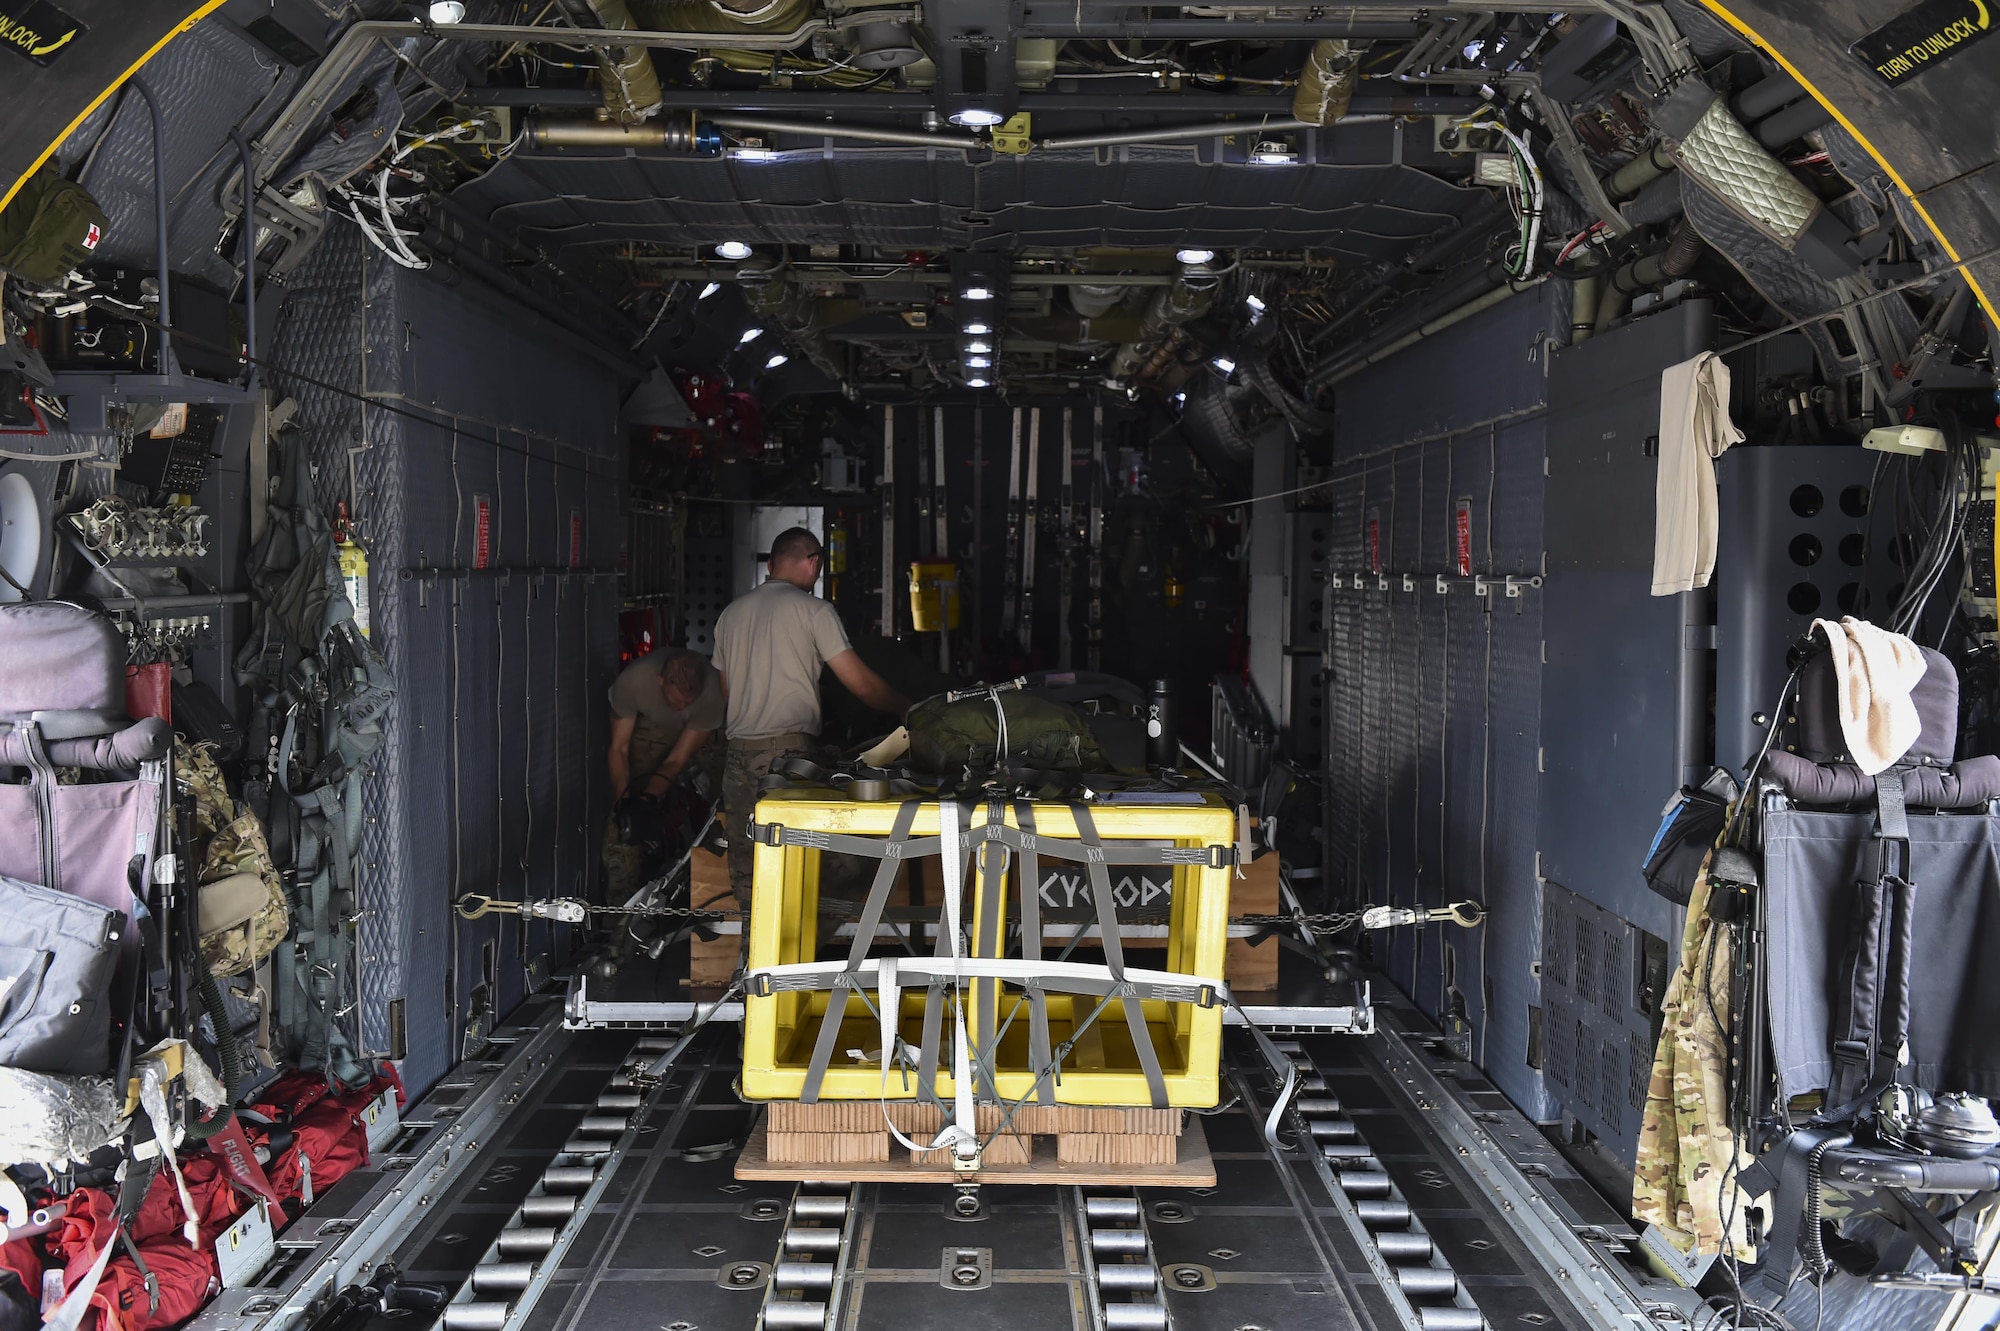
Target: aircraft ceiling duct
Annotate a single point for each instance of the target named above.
(626, 75)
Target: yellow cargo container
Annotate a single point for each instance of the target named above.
(1103, 1068)
(933, 595)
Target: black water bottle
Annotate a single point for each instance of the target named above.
(1163, 744)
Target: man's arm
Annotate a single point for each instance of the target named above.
(865, 684)
(676, 761)
(621, 754)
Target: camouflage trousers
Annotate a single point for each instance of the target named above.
(1686, 1148)
(750, 761)
(624, 866)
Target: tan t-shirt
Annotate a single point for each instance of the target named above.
(771, 643)
(636, 695)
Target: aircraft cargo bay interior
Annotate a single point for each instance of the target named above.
(825, 665)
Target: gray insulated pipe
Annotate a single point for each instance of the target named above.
(770, 291)
(626, 75)
(1794, 122)
(1187, 299)
(1762, 98)
(1675, 261)
(1093, 299)
(1215, 433)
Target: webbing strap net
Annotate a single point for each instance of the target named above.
(871, 916)
(986, 850)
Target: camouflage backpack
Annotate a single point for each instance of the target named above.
(243, 912)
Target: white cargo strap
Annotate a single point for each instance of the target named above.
(889, 998)
(962, 1133)
(1058, 977)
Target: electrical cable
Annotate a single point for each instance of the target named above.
(354, 212)
(1531, 176)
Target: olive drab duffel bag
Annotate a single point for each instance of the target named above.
(946, 735)
(49, 227)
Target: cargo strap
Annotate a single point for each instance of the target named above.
(1031, 949)
(1871, 1016)
(1114, 951)
(864, 936)
(961, 1132)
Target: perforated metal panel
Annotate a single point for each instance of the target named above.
(708, 576)
(1598, 1032)
(1793, 544)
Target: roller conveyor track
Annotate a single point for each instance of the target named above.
(1434, 1238)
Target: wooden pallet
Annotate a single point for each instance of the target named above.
(1194, 1168)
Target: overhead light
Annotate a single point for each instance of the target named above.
(749, 153)
(979, 362)
(978, 348)
(733, 249)
(1273, 152)
(975, 383)
(709, 290)
(976, 293)
(978, 329)
(976, 117)
(776, 360)
(1256, 304)
(749, 335)
(1193, 255)
(1181, 397)
(1224, 364)
(447, 11)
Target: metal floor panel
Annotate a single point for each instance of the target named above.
(1272, 1236)
(1277, 1244)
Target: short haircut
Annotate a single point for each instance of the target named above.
(682, 670)
(793, 543)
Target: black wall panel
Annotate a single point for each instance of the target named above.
(1433, 700)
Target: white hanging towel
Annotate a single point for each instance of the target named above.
(1695, 430)
(1876, 670)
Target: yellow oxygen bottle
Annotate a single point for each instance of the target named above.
(353, 572)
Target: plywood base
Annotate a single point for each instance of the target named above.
(817, 1148)
(711, 964)
(1251, 969)
(1115, 1148)
(1193, 1167)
